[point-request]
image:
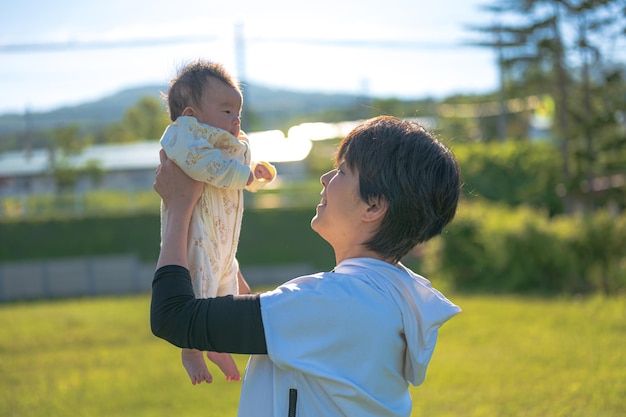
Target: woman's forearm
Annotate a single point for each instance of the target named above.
(174, 239)
(179, 193)
(223, 324)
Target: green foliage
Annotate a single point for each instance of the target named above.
(274, 237)
(535, 58)
(93, 169)
(502, 356)
(321, 158)
(117, 133)
(495, 249)
(599, 251)
(478, 117)
(65, 175)
(93, 236)
(268, 237)
(68, 140)
(146, 120)
(514, 173)
(42, 207)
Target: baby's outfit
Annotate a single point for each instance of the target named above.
(223, 163)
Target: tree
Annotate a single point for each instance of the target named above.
(144, 121)
(147, 119)
(593, 108)
(537, 53)
(66, 142)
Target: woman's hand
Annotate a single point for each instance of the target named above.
(174, 186)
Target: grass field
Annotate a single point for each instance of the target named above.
(503, 356)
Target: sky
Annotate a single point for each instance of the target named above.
(67, 52)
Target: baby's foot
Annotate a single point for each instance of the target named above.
(226, 363)
(196, 367)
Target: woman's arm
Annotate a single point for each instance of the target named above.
(244, 288)
(224, 324)
(179, 193)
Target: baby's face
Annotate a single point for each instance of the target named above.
(221, 107)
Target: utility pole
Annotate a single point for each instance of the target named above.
(240, 64)
(28, 134)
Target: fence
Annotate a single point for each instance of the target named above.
(74, 277)
(106, 275)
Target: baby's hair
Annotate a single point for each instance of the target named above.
(189, 84)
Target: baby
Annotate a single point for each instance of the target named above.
(205, 140)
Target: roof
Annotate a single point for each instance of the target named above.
(118, 157)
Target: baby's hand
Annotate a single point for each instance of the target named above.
(262, 173)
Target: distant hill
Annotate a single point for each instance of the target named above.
(271, 106)
(101, 112)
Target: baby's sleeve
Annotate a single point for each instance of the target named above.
(197, 149)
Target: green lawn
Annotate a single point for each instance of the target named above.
(503, 356)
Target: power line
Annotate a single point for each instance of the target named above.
(362, 43)
(71, 45)
(98, 44)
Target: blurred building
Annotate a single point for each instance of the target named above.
(122, 166)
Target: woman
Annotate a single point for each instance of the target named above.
(341, 343)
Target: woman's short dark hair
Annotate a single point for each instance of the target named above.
(399, 162)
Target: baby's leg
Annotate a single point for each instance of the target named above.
(195, 366)
(226, 363)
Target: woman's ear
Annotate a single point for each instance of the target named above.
(376, 210)
(188, 112)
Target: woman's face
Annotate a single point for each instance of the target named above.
(339, 213)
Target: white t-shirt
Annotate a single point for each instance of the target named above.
(349, 342)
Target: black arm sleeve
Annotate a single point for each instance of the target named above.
(223, 324)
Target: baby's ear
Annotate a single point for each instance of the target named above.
(188, 112)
